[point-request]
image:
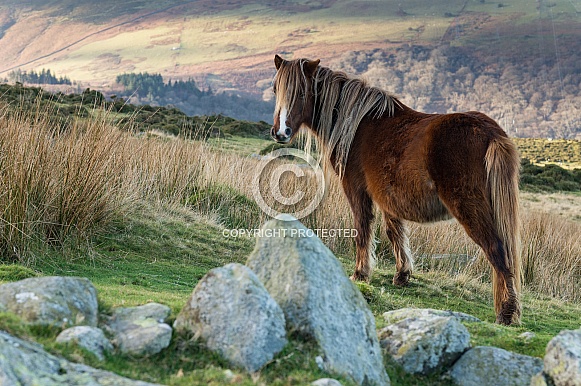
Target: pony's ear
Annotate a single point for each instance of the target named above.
(311, 66)
(278, 61)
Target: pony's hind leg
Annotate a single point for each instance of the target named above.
(362, 209)
(476, 216)
(397, 233)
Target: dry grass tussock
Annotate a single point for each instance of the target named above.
(54, 185)
(551, 253)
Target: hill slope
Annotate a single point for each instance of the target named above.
(229, 45)
(95, 41)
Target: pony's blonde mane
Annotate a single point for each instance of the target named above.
(350, 99)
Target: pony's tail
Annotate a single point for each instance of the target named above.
(502, 166)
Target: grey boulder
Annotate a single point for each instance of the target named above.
(562, 364)
(51, 300)
(25, 363)
(90, 338)
(318, 299)
(140, 331)
(395, 316)
(326, 382)
(231, 311)
(493, 366)
(423, 345)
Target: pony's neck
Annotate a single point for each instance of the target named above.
(323, 99)
(340, 104)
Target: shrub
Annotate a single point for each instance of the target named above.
(549, 178)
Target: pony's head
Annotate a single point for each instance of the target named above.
(294, 97)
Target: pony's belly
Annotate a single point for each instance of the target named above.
(425, 207)
(430, 212)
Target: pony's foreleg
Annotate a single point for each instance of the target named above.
(362, 209)
(396, 231)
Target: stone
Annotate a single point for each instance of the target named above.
(424, 345)
(326, 382)
(90, 338)
(153, 310)
(527, 336)
(140, 331)
(26, 363)
(539, 380)
(52, 300)
(562, 362)
(228, 375)
(395, 316)
(318, 299)
(493, 366)
(232, 312)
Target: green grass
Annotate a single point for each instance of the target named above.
(160, 253)
(240, 145)
(156, 256)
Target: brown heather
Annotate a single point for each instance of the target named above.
(55, 185)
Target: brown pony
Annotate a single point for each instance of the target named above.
(413, 166)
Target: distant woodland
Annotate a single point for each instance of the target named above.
(531, 98)
(152, 86)
(152, 89)
(33, 77)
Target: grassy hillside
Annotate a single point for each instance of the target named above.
(207, 33)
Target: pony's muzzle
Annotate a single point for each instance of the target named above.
(281, 135)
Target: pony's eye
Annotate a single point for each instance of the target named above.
(274, 89)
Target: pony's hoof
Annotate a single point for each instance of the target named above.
(504, 320)
(357, 276)
(509, 314)
(401, 279)
(508, 319)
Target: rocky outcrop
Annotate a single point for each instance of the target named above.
(493, 366)
(52, 300)
(91, 339)
(541, 379)
(562, 364)
(234, 315)
(140, 331)
(425, 344)
(318, 299)
(25, 363)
